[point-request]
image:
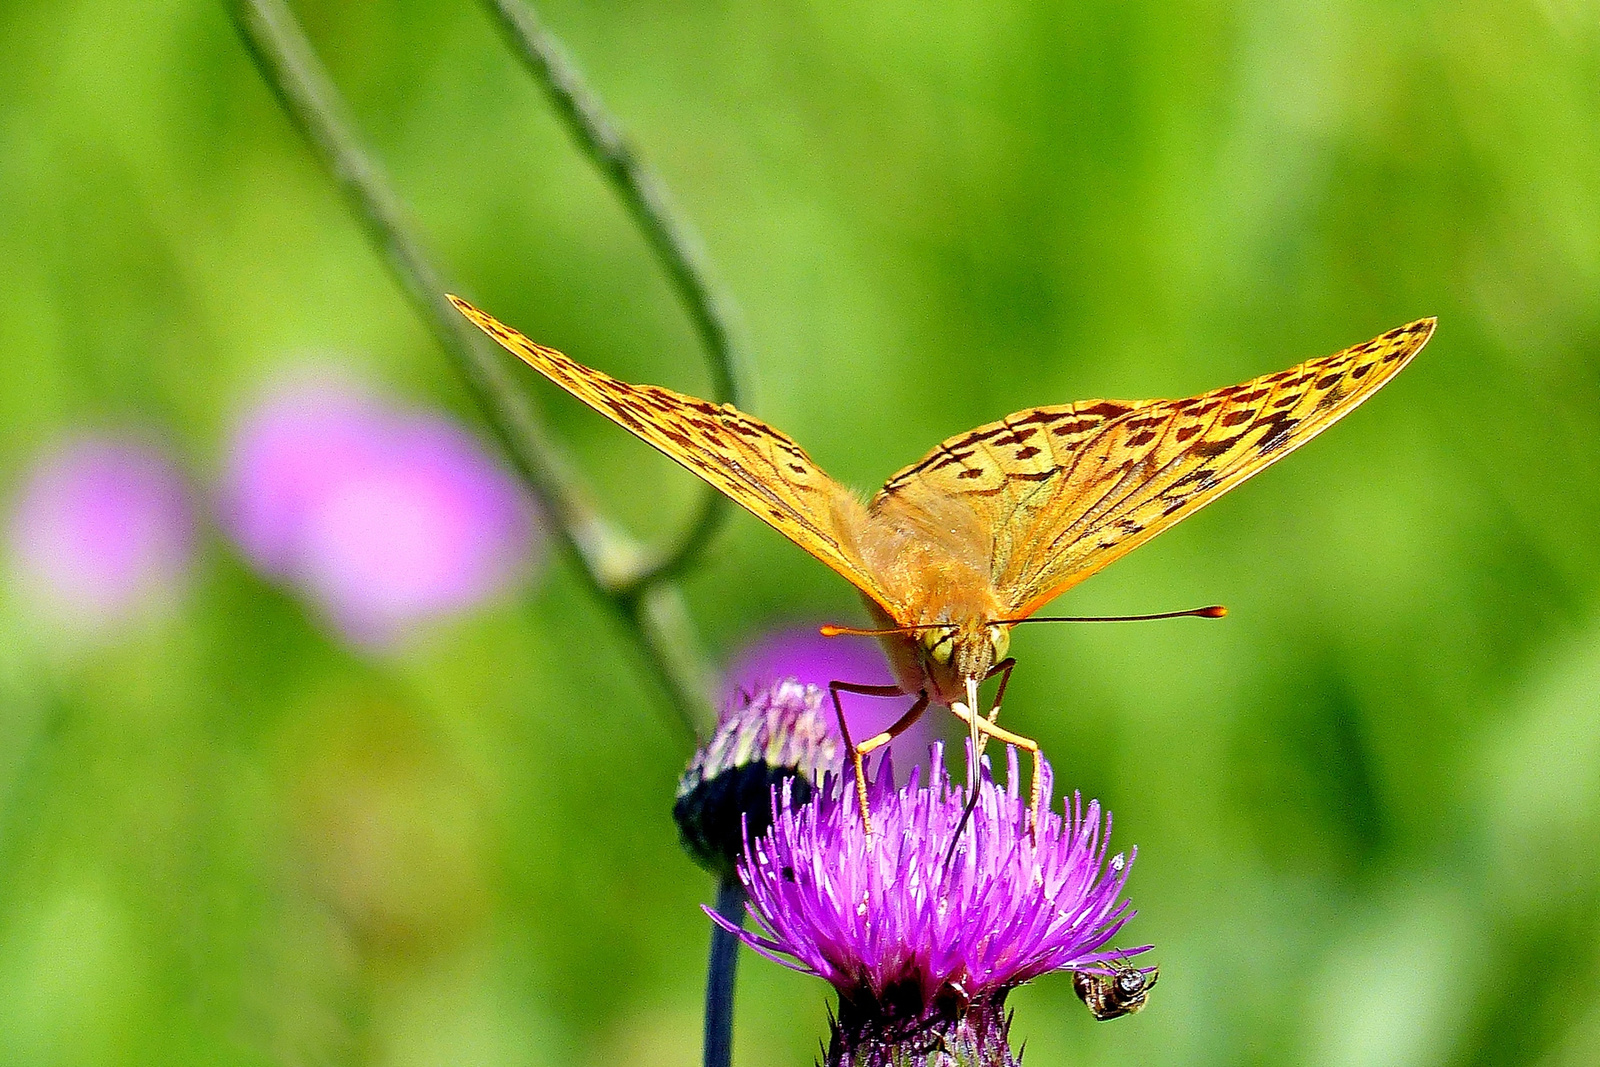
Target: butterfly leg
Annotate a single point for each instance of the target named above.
(1005, 736)
(900, 726)
(856, 754)
(1003, 669)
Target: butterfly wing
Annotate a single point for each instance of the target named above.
(1064, 491)
(755, 465)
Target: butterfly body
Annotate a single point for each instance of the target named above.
(940, 661)
(992, 524)
(937, 570)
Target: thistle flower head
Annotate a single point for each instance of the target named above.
(921, 949)
(777, 735)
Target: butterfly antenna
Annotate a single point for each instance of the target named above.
(831, 630)
(1214, 611)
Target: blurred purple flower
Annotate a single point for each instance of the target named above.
(918, 947)
(100, 530)
(805, 655)
(384, 517)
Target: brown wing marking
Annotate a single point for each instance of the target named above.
(998, 467)
(1153, 467)
(755, 465)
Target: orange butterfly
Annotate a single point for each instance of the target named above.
(994, 523)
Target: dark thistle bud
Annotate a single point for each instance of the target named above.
(778, 735)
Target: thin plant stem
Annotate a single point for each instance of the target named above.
(613, 565)
(675, 242)
(720, 974)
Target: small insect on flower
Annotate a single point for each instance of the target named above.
(1122, 992)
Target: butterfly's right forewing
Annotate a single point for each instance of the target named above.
(755, 465)
(1148, 470)
(1057, 493)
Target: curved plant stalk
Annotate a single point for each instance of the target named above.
(617, 569)
(679, 248)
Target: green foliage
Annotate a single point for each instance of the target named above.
(1367, 804)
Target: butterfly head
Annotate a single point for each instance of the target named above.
(960, 651)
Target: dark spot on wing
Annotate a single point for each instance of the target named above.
(1106, 409)
(1217, 448)
(1015, 437)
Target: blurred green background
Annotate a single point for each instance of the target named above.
(1367, 805)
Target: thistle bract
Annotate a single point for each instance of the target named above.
(811, 659)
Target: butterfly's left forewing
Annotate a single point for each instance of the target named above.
(755, 465)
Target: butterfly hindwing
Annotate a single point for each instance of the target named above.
(998, 471)
(755, 465)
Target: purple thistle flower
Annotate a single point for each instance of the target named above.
(384, 517)
(101, 530)
(923, 952)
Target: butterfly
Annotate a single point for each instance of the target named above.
(993, 524)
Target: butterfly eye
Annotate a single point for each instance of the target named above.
(941, 644)
(1000, 639)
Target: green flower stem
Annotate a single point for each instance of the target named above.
(679, 248)
(720, 974)
(614, 565)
